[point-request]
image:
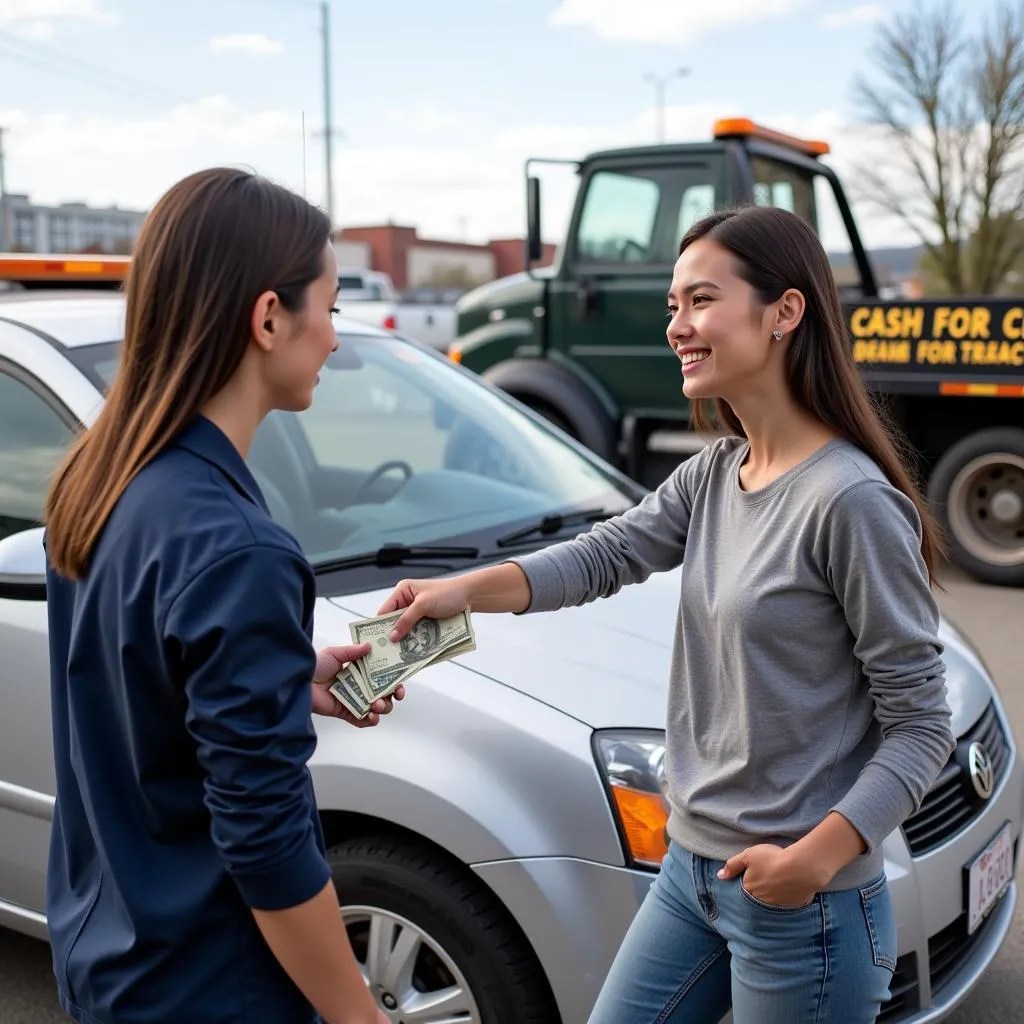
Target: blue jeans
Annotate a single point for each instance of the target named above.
(699, 945)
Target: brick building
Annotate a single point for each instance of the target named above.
(414, 262)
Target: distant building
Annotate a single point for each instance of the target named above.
(510, 255)
(414, 262)
(352, 254)
(70, 227)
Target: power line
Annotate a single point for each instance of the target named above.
(64, 65)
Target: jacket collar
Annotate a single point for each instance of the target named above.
(205, 439)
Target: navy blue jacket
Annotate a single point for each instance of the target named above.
(182, 718)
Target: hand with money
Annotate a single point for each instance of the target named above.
(329, 662)
(418, 599)
(498, 588)
(387, 665)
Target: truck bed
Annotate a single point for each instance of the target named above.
(937, 347)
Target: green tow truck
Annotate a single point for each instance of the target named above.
(582, 342)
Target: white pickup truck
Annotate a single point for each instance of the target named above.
(370, 296)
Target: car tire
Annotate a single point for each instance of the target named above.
(977, 492)
(391, 885)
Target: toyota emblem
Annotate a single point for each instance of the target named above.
(982, 773)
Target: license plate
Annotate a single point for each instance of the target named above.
(989, 874)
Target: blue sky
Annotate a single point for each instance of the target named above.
(112, 100)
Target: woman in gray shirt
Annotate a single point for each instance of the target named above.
(807, 713)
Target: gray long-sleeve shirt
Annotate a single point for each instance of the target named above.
(806, 671)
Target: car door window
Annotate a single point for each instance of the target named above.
(33, 440)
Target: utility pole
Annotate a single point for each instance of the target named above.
(659, 82)
(325, 31)
(4, 246)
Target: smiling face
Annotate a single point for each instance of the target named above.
(719, 328)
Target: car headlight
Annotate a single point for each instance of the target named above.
(632, 764)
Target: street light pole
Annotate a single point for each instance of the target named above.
(659, 82)
(4, 245)
(328, 140)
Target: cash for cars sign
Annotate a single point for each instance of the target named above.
(982, 338)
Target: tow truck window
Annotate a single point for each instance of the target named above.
(617, 225)
(639, 216)
(784, 186)
(698, 201)
(810, 196)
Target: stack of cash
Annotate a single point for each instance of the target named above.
(388, 665)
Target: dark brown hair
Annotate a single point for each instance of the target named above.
(776, 250)
(212, 244)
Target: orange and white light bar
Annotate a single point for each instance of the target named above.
(53, 268)
(743, 127)
(982, 390)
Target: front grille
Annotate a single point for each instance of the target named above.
(952, 804)
(904, 996)
(949, 948)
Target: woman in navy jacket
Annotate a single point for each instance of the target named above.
(187, 877)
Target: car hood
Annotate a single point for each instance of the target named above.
(607, 663)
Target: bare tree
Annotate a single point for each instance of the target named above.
(951, 106)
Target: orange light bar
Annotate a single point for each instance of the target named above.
(455, 353)
(644, 817)
(982, 390)
(85, 268)
(745, 128)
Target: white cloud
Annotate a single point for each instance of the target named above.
(471, 179)
(480, 180)
(35, 18)
(425, 117)
(131, 162)
(865, 14)
(246, 42)
(38, 31)
(666, 21)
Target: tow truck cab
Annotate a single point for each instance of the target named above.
(583, 341)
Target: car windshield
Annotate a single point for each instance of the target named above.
(402, 447)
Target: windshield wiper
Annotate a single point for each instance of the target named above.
(553, 523)
(396, 554)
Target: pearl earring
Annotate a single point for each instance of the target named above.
(777, 335)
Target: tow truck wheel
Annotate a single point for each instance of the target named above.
(977, 490)
(556, 419)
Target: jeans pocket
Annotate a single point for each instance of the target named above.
(878, 916)
(771, 907)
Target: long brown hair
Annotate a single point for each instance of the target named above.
(211, 245)
(776, 250)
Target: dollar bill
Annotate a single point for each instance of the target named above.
(388, 665)
(347, 689)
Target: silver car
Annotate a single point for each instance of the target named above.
(493, 838)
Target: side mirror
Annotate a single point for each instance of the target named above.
(534, 244)
(23, 566)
